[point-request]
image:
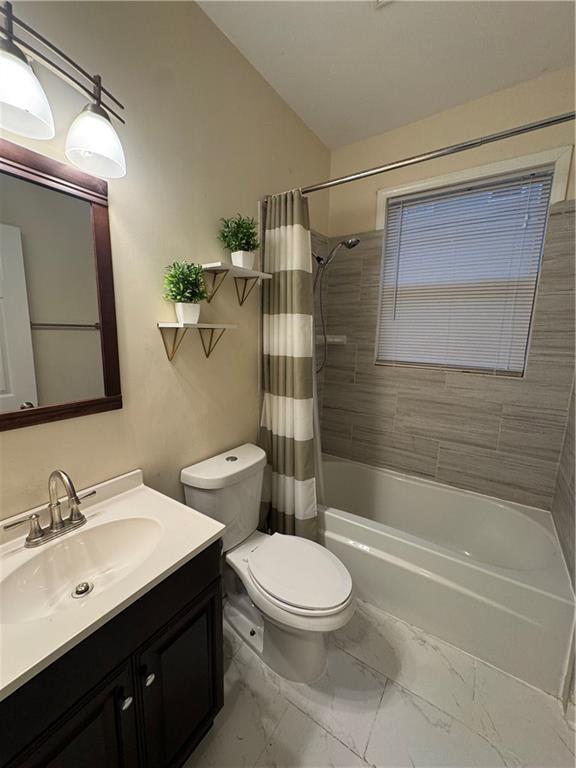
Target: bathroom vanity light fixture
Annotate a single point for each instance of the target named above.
(24, 108)
(92, 143)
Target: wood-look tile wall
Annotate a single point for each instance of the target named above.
(563, 505)
(496, 435)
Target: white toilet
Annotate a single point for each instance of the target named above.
(284, 593)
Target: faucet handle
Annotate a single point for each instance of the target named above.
(83, 496)
(35, 533)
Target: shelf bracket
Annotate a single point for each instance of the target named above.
(172, 338)
(173, 334)
(244, 287)
(207, 338)
(217, 278)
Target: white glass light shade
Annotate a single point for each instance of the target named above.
(24, 108)
(93, 145)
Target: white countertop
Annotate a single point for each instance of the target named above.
(172, 534)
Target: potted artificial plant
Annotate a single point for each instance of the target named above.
(184, 285)
(240, 235)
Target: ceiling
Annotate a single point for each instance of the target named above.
(351, 70)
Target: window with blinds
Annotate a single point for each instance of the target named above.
(459, 273)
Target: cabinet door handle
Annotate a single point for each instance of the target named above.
(126, 703)
(149, 679)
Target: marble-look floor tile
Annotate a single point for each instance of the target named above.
(299, 741)
(526, 725)
(253, 707)
(344, 700)
(411, 733)
(425, 665)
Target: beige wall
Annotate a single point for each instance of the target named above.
(206, 137)
(353, 206)
(60, 273)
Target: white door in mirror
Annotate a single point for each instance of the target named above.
(17, 376)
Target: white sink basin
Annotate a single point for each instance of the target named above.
(133, 538)
(100, 555)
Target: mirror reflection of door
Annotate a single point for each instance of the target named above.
(50, 345)
(17, 375)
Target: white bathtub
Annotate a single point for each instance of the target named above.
(485, 575)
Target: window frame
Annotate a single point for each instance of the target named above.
(559, 158)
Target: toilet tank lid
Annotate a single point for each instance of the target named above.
(225, 469)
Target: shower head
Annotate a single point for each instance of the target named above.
(350, 243)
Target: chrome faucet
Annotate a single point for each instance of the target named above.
(58, 526)
(56, 522)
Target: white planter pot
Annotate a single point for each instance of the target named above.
(186, 312)
(243, 259)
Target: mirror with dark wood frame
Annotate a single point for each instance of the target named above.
(58, 341)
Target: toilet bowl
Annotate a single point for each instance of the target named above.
(285, 594)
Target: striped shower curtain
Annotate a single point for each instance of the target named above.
(287, 423)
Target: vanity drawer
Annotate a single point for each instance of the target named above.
(27, 713)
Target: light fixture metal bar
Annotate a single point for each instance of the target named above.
(41, 39)
(56, 68)
(450, 150)
(61, 72)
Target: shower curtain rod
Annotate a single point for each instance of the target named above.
(451, 150)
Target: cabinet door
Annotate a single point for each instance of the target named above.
(100, 732)
(180, 682)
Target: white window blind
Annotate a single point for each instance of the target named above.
(459, 273)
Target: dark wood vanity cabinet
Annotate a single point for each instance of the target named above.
(140, 692)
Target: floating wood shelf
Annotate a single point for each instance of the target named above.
(244, 279)
(210, 335)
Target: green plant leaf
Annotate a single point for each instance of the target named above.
(184, 282)
(239, 233)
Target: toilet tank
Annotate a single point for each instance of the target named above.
(228, 488)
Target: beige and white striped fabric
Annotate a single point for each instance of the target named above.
(287, 424)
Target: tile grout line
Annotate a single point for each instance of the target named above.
(377, 710)
(323, 728)
(269, 738)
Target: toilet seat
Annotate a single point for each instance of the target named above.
(311, 612)
(299, 576)
(276, 611)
